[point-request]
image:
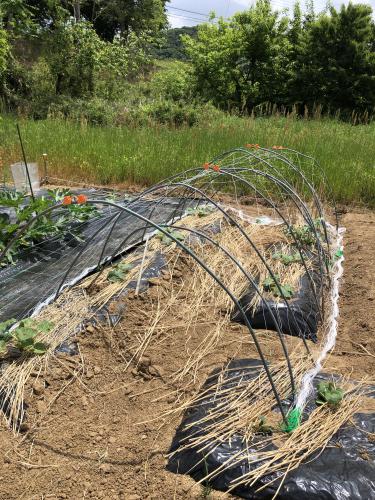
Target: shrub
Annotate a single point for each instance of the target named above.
(174, 82)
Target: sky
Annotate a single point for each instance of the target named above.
(199, 9)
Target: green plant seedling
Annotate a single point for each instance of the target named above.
(25, 336)
(328, 393)
(303, 234)
(200, 211)
(270, 285)
(262, 427)
(166, 240)
(287, 259)
(4, 327)
(119, 272)
(46, 226)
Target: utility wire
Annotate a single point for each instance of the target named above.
(188, 18)
(189, 11)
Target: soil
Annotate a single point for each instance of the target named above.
(90, 431)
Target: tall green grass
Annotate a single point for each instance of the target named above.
(145, 155)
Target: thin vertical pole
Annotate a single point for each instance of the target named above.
(45, 167)
(25, 161)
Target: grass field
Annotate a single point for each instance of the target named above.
(106, 155)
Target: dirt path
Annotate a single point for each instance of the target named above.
(84, 439)
(355, 348)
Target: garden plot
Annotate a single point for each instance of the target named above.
(210, 258)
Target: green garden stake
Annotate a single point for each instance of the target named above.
(293, 419)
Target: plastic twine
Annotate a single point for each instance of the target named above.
(307, 381)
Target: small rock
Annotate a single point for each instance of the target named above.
(145, 362)
(38, 388)
(144, 436)
(89, 374)
(90, 329)
(41, 406)
(112, 440)
(85, 401)
(106, 468)
(170, 399)
(134, 372)
(97, 370)
(156, 371)
(155, 281)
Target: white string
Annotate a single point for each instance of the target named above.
(330, 341)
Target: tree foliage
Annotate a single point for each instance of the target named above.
(121, 17)
(260, 55)
(336, 64)
(97, 49)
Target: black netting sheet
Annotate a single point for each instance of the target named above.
(36, 278)
(345, 469)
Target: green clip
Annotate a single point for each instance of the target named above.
(293, 419)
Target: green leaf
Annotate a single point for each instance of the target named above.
(118, 274)
(273, 285)
(24, 334)
(166, 240)
(5, 325)
(39, 348)
(44, 326)
(200, 211)
(3, 347)
(328, 393)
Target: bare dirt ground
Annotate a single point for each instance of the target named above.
(84, 437)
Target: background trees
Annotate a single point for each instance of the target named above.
(261, 56)
(51, 50)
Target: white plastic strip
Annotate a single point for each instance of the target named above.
(332, 323)
(262, 220)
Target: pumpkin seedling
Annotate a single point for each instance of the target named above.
(200, 211)
(25, 336)
(328, 393)
(303, 234)
(287, 259)
(166, 240)
(270, 285)
(118, 273)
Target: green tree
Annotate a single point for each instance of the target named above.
(78, 58)
(73, 56)
(16, 17)
(4, 56)
(243, 62)
(121, 17)
(336, 67)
